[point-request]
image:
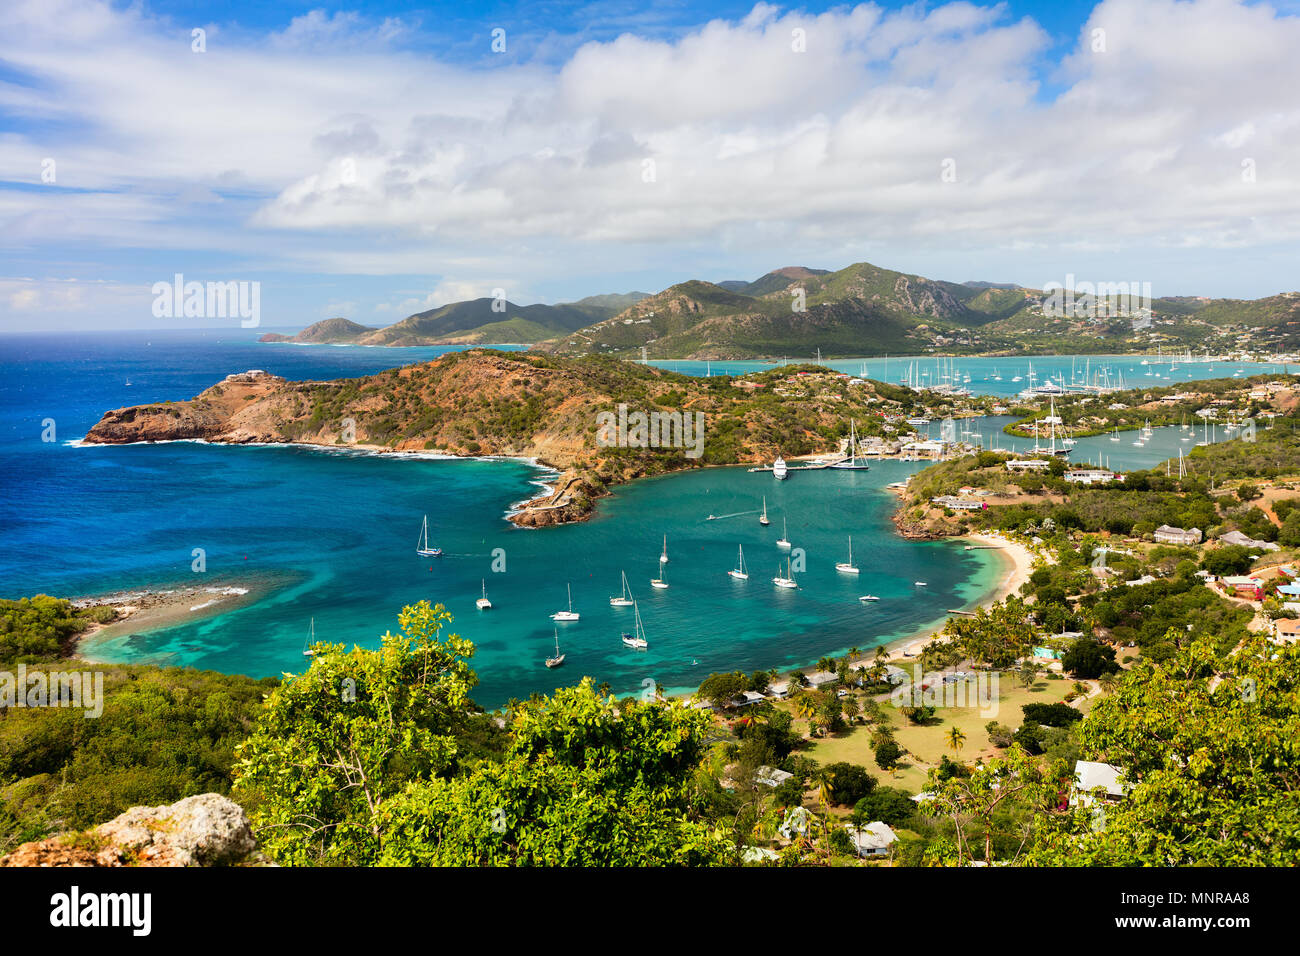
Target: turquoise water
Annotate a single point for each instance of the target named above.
(996, 376)
(332, 535)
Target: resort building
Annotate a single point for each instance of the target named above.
(1286, 629)
(1092, 476)
(771, 776)
(1096, 781)
(821, 678)
(873, 839)
(958, 504)
(1245, 587)
(780, 690)
(1021, 465)
(1167, 534)
(1236, 537)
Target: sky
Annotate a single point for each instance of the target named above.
(372, 160)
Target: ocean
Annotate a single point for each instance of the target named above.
(330, 536)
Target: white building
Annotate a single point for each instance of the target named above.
(873, 839)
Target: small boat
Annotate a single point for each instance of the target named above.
(783, 541)
(483, 604)
(423, 544)
(919, 584)
(624, 599)
(868, 597)
(128, 383)
(558, 659)
(637, 638)
(663, 558)
(307, 650)
(786, 581)
(762, 519)
(570, 614)
(739, 572)
(659, 582)
(847, 566)
(779, 471)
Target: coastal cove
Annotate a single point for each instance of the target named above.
(330, 536)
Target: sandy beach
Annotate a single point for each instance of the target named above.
(1021, 565)
(145, 609)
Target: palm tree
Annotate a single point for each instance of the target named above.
(825, 664)
(804, 706)
(881, 653)
(854, 652)
(1108, 682)
(956, 738)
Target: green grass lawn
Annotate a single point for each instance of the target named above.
(927, 744)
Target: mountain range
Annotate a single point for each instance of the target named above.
(860, 310)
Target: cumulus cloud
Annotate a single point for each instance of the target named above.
(341, 150)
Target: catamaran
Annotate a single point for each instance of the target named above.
(423, 548)
(570, 614)
(847, 566)
(779, 470)
(739, 572)
(558, 659)
(637, 637)
(663, 558)
(311, 639)
(788, 580)
(660, 582)
(762, 519)
(483, 604)
(624, 599)
(783, 541)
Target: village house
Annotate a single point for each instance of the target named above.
(1021, 465)
(958, 504)
(1245, 587)
(771, 776)
(1092, 476)
(873, 839)
(1167, 534)
(1236, 537)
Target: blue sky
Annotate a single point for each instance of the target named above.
(371, 160)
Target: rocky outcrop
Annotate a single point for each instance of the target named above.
(207, 830)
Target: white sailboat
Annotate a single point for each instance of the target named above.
(624, 599)
(762, 519)
(422, 547)
(483, 604)
(1115, 437)
(637, 637)
(739, 572)
(558, 659)
(570, 614)
(663, 558)
(660, 582)
(786, 581)
(307, 650)
(868, 597)
(847, 566)
(783, 541)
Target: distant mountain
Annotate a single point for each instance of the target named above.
(327, 331)
(859, 310)
(473, 322)
(990, 285)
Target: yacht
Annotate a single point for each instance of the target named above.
(307, 650)
(663, 558)
(783, 541)
(637, 637)
(762, 519)
(868, 597)
(739, 572)
(422, 547)
(659, 582)
(558, 659)
(847, 566)
(788, 580)
(624, 599)
(570, 614)
(779, 470)
(483, 604)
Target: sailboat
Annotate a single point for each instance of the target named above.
(847, 566)
(783, 541)
(788, 580)
(558, 659)
(660, 582)
(762, 519)
(739, 572)
(663, 558)
(637, 637)
(868, 597)
(307, 650)
(483, 604)
(570, 614)
(624, 599)
(424, 548)
(1115, 437)
(852, 462)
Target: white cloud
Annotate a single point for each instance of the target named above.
(345, 154)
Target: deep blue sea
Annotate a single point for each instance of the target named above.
(331, 536)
